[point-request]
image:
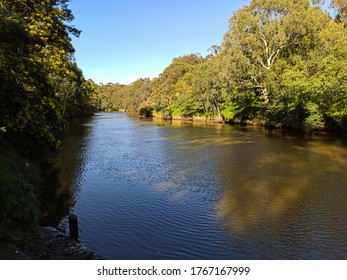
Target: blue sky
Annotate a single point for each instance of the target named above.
(123, 40)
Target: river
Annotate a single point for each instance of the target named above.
(149, 189)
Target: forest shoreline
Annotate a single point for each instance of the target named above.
(251, 123)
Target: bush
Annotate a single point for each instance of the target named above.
(229, 111)
(314, 120)
(19, 210)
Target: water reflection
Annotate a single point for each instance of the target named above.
(259, 199)
(269, 183)
(173, 190)
(180, 123)
(62, 171)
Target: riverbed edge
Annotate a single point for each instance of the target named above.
(21, 235)
(48, 244)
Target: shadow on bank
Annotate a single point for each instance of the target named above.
(35, 199)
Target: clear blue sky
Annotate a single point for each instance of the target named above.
(123, 40)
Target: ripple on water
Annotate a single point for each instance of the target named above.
(187, 192)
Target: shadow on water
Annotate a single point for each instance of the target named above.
(61, 170)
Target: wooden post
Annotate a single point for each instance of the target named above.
(73, 226)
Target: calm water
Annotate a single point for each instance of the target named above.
(146, 189)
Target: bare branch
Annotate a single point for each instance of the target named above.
(262, 64)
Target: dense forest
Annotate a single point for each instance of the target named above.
(282, 64)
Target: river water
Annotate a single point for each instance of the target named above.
(149, 189)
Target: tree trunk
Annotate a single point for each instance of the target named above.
(265, 95)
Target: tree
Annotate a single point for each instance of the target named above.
(282, 62)
(166, 88)
(137, 94)
(210, 87)
(258, 35)
(309, 85)
(341, 7)
(35, 53)
(293, 54)
(75, 93)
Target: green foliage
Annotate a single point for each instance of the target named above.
(116, 97)
(283, 62)
(286, 113)
(174, 81)
(341, 7)
(76, 95)
(249, 104)
(294, 55)
(40, 86)
(314, 120)
(18, 203)
(157, 114)
(229, 111)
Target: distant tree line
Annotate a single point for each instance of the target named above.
(41, 86)
(282, 63)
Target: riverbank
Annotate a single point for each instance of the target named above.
(340, 128)
(48, 244)
(21, 236)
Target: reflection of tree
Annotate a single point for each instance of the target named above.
(259, 201)
(270, 181)
(61, 170)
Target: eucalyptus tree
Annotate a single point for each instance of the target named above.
(211, 90)
(258, 35)
(167, 87)
(292, 54)
(111, 96)
(341, 7)
(138, 94)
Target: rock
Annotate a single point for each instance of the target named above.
(48, 244)
(56, 245)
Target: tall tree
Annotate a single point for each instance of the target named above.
(35, 49)
(341, 7)
(258, 35)
(165, 87)
(283, 49)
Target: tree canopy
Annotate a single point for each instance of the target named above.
(282, 63)
(41, 86)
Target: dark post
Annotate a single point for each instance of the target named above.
(73, 226)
